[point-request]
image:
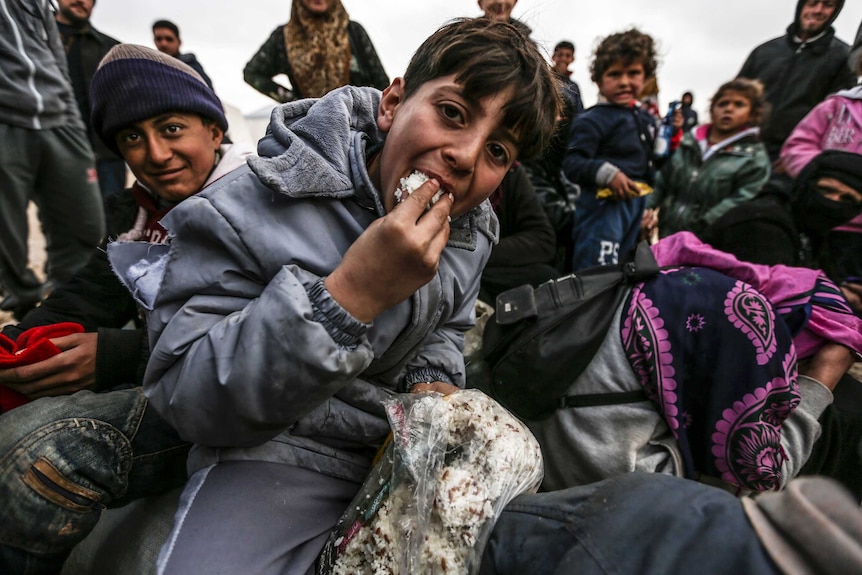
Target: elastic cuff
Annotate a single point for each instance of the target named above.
(344, 329)
(118, 355)
(606, 173)
(424, 375)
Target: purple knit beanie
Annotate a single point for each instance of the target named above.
(134, 83)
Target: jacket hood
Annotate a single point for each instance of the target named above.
(854, 93)
(306, 149)
(839, 4)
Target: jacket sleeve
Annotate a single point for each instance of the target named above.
(374, 73)
(532, 240)
(746, 185)
(844, 77)
(441, 355)
(237, 356)
(264, 65)
(806, 139)
(96, 299)
(580, 164)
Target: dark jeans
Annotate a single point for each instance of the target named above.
(65, 459)
(638, 524)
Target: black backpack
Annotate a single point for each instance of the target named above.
(541, 339)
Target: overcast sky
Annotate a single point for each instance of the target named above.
(703, 42)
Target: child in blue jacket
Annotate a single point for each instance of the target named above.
(610, 152)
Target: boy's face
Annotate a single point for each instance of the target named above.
(621, 84)
(563, 58)
(171, 154)
(730, 113)
(166, 41)
(499, 10)
(461, 143)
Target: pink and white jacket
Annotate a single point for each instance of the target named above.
(834, 124)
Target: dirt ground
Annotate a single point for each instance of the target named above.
(36, 244)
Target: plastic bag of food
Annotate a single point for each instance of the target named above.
(437, 488)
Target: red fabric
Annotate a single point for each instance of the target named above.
(675, 139)
(32, 346)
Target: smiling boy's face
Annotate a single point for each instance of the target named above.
(438, 131)
(171, 154)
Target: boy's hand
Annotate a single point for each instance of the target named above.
(829, 364)
(623, 188)
(395, 256)
(649, 222)
(63, 374)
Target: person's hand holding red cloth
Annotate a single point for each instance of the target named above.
(32, 346)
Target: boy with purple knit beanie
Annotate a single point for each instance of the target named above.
(88, 439)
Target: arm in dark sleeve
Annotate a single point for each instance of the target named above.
(93, 297)
(844, 78)
(373, 70)
(96, 299)
(580, 164)
(264, 65)
(531, 238)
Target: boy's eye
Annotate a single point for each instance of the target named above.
(451, 112)
(499, 153)
(172, 128)
(128, 138)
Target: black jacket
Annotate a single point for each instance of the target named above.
(96, 299)
(85, 47)
(797, 76)
(526, 235)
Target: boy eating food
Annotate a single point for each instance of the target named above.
(299, 293)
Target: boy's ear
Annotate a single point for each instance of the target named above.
(392, 97)
(217, 134)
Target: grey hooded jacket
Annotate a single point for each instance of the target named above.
(251, 357)
(35, 90)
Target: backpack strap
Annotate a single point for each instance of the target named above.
(597, 399)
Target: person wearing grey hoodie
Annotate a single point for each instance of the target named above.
(798, 70)
(45, 157)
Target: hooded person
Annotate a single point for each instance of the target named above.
(826, 203)
(319, 49)
(88, 440)
(799, 69)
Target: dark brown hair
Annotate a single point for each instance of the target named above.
(488, 57)
(626, 47)
(752, 90)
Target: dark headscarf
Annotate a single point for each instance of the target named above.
(816, 215)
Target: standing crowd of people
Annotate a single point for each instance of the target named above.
(222, 321)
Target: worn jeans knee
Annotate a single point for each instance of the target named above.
(65, 459)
